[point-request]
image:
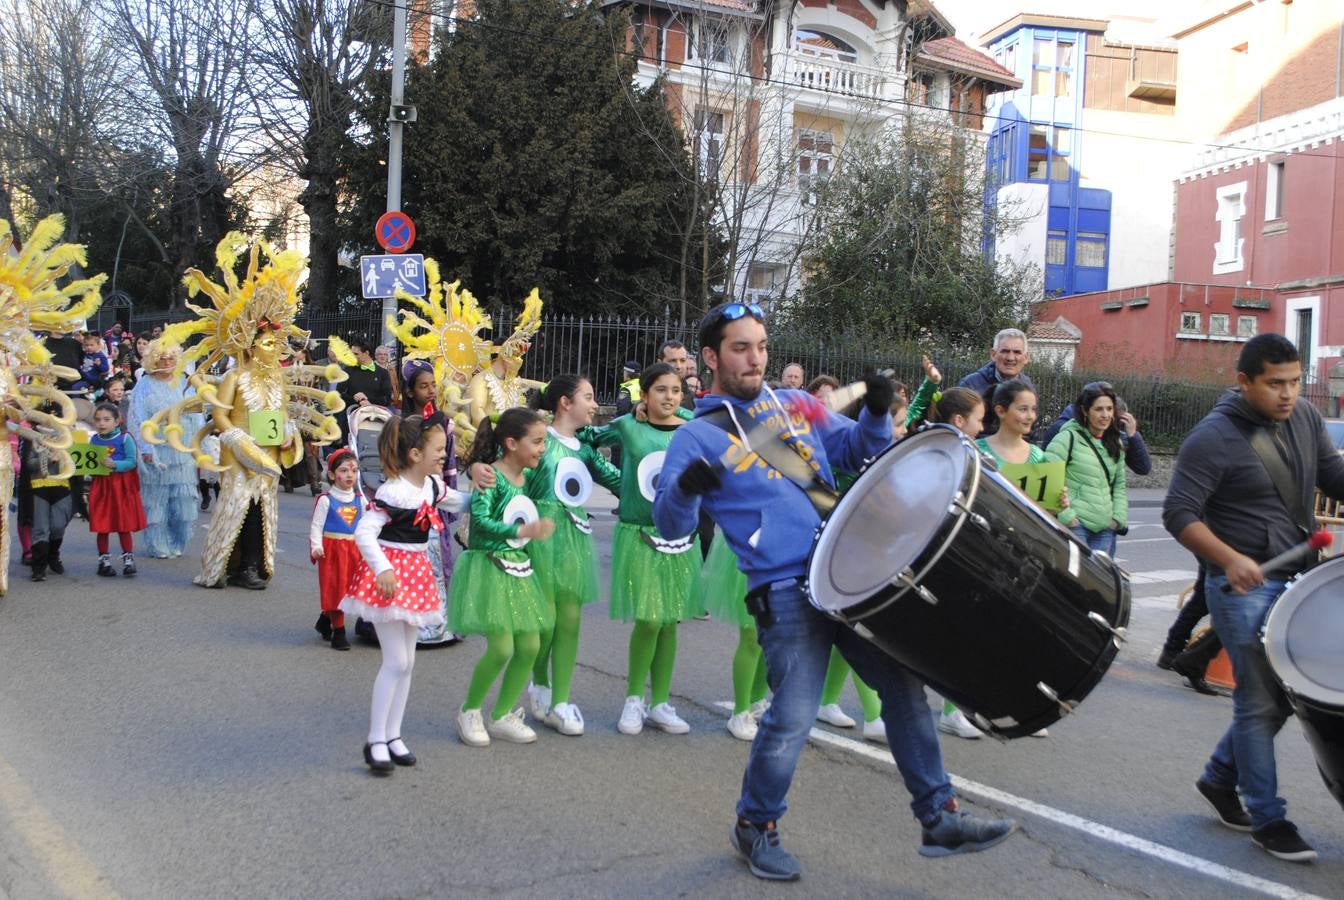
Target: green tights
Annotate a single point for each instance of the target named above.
(653, 652)
(559, 653)
(748, 670)
(516, 651)
(836, 673)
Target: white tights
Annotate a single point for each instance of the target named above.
(392, 685)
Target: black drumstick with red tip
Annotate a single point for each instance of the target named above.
(1318, 541)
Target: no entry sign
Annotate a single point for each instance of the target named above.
(395, 232)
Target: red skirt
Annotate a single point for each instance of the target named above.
(114, 503)
(416, 600)
(335, 570)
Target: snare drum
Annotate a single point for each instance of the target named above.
(1304, 641)
(941, 562)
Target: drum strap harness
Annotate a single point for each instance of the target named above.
(784, 458)
(1276, 466)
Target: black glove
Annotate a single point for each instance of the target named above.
(880, 394)
(699, 478)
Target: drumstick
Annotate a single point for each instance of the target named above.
(1318, 541)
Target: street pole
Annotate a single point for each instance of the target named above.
(395, 125)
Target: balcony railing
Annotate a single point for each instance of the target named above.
(833, 76)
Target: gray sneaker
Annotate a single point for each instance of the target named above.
(959, 832)
(764, 853)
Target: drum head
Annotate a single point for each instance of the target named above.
(887, 518)
(1304, 634)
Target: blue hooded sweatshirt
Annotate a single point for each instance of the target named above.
(767, 519)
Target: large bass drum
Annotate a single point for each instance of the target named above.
(938, 560)
(1304, 640)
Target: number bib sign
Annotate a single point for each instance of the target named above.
(1041, 482)
(89, 459)
(267, 427)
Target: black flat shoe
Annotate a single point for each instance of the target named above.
(338, 639)
(1193, 678)
(323, 626)
(377, 766)
(404, 759)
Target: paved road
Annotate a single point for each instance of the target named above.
(159, 740)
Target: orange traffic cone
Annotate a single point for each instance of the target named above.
(1219, 672)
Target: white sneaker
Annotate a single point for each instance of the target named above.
(758, 709)
(832, 714)
(471, 728)
(632, 717)
(956, 723)
(565, 718)
(1042, 733)
(512, 728)
(742, 726)
(875, 731)
(538, 701)
(664, 716)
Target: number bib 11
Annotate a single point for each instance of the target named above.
(1041, 482)
(267, 427)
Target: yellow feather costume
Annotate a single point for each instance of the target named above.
(31, 301)
(248, 320)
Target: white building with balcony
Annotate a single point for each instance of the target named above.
(769, 94)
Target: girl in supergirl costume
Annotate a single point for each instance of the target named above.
(331, 543)
(494, 591)
(565, 565)
(114, 498)
(655, 583)
(394, 587)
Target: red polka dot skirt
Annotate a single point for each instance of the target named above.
(416, 600)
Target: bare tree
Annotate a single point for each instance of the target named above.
(58, 80)
(191, 57)
(309, 66)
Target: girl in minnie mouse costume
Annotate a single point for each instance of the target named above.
(331, 543)
(394, 587)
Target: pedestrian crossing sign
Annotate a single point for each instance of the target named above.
(383, 276)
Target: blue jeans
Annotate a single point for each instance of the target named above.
(1244, 757)
(1097, 540)
(797, 647)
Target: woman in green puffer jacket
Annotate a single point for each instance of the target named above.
(1094, 470)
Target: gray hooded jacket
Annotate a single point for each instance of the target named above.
(1220, 481)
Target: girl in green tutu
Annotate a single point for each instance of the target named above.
(565, 565)
(493, 591)
(725, 589)
(655, 583)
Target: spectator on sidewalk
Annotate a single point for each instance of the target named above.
(1136, 451)
(1007, 360)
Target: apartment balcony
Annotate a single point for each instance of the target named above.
(833, 76)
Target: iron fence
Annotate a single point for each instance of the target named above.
(599, 347)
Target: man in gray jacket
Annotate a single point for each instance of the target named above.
(1226, 508)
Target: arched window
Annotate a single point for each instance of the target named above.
(826, 46)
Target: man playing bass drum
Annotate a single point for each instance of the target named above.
(1243, 491)
(768, 522)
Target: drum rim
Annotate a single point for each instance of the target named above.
(948, 533)
(1275, 640)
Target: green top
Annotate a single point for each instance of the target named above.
(543, 484)
(489, 531)
(1096, 486)
(640, 440)
(1036, 454)
(920, 402)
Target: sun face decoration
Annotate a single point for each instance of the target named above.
(31, 301)
(444, 328)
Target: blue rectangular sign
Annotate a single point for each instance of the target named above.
(382, 276)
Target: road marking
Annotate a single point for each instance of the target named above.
(1162, 601)
(1077, 823)
(66, 866)
(1124, 542)
(1158, 576)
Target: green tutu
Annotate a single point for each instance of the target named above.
(483, 599)
(724, 586)
(650, 586)
(564, 564)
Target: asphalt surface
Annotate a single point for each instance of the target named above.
(161, 740)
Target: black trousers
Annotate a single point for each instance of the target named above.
(249, 539)
(1195, 608)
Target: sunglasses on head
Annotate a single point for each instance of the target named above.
(731, 312)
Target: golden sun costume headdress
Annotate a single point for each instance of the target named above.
(31, 301)
(266, 299)
(443, 329)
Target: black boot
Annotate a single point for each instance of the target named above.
(323, 626)
(1195, 660)
(338, 640)
(248, 578)
(39, 560)
(54, 556)
(203, 487)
